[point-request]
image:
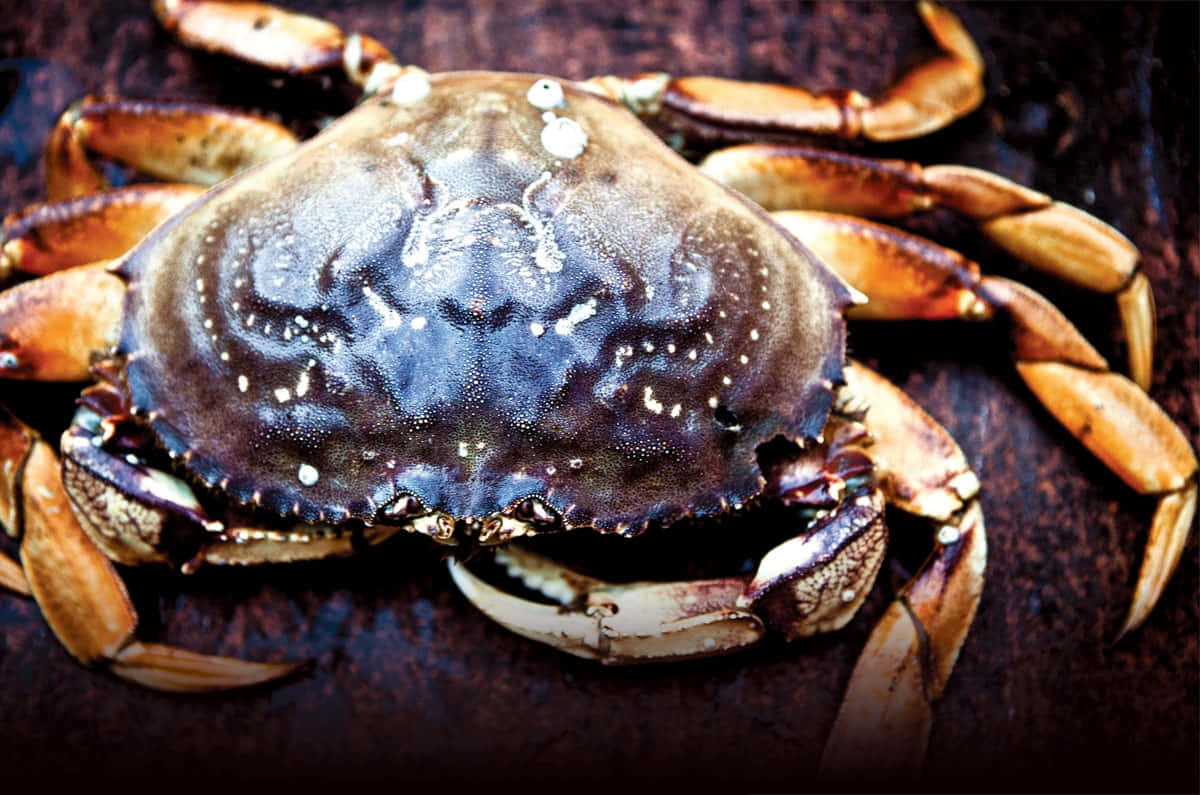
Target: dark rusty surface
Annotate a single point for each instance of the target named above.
(1094, 104)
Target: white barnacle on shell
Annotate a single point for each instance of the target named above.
(307, 475)
(564, 138)
(546, 94)
(411, 86)
(578, 314)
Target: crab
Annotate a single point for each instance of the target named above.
(642, 348)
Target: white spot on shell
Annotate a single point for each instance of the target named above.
(578, 314)
(649, 401)
(848, 595)
(301, 321)
(546, 94)
(564, 138)
(410, 87)
(243, 383)
(391, 318)
(283, 394)
(307, 475)
(754, 334)
(575, 463)
(302, 384)
(537, 329)
(463, 451)
(418, 323)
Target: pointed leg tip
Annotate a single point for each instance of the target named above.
(174, 670)
(12, 576)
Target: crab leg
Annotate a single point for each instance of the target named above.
(926, 98)
(838, 554)
(78, 590)
(907, 277)
(55, 235)
(886, 713)
(51, 328)
(1054, 237)
(175, 141)
(615, 624)
(271, 37)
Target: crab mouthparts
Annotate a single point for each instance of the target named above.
(526, 517)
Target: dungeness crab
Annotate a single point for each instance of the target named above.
(631, 343)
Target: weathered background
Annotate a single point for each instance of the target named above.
(1095, 104)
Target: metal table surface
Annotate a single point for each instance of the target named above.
(1094, 104)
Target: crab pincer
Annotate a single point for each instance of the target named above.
(78, 590)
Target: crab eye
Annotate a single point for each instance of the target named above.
(726, 419)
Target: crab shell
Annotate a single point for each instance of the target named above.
(460, 292)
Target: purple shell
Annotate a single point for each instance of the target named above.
(425, 299)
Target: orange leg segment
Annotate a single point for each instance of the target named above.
(270, 37)
(926, 98)
(53, 327)
(1054, 237)
(175, 141)
(886, 715)
(52, 236)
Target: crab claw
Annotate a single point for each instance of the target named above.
(816, 582)
(615, 624)
(82, 598)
